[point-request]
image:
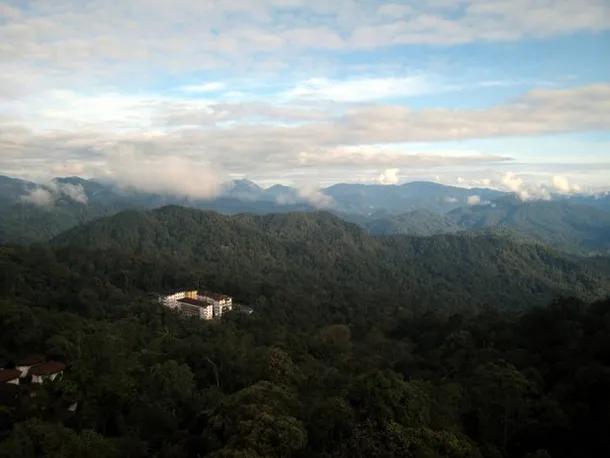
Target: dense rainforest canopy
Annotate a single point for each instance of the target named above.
(358, 346)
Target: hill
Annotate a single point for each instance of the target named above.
(319, 254)
(435, 197)
(35, 213)
(417, 222)
(562, 224)
(358, 346)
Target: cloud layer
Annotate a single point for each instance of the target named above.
(177, 96)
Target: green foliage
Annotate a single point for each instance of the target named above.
(417, 222)
(358, 347)
(320, 257)
(563, 225)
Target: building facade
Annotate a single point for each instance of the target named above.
(47, 371)
(26, 364)
(171, 298)
(204, 304)
(194, 307)
(10, 376)
(219, 302)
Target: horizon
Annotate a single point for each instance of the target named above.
(545, 192)
(504, 95)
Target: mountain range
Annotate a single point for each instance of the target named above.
(322, 251)
(578, 223)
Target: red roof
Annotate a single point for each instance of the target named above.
(6, 375)
(30, 360)
(49, 368)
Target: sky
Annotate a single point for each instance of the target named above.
(183, 95)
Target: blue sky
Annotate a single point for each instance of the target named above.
(182, 95)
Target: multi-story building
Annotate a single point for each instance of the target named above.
(172, 297)
(194, 307)
(204, 304)
(219, 302)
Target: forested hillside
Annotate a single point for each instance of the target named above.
(417, 222)
(305, 376)
(413, 208)
(562, 224)
(321, 255)
(27, 223)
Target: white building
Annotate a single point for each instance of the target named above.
(171, 299)
(219, 302)
(26, 364)
(11, 376)
(205, 304)
(194, 307)
(47, 371)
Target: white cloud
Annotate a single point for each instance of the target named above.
(47, 194)
(314, 196)
(74, 192)
(474, 182)
(206, 87)
(285, 199)
(168, 174)
(512, 182)
(562, 184)
(364, 89)
(389, 176)
(39, 196)
(451, 200)
(525, 191)
(263, 138)
(473, 200)
(83, 79)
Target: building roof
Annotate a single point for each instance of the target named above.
(179, 290)
(215, 296)
(6, 375)
(49, 368)
(188, 300)
(30, 360)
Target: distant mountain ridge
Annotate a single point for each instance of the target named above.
(562, 224)
(328, 251)
(417, 208)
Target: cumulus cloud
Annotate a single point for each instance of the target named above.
(451, 200)
(562, 184)
(46, 195)
(314, 196)
(525, 191)
(473, 200)
(389, 176)
(169, 174)
(474, 182)
(39, 196)
(71, 191)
